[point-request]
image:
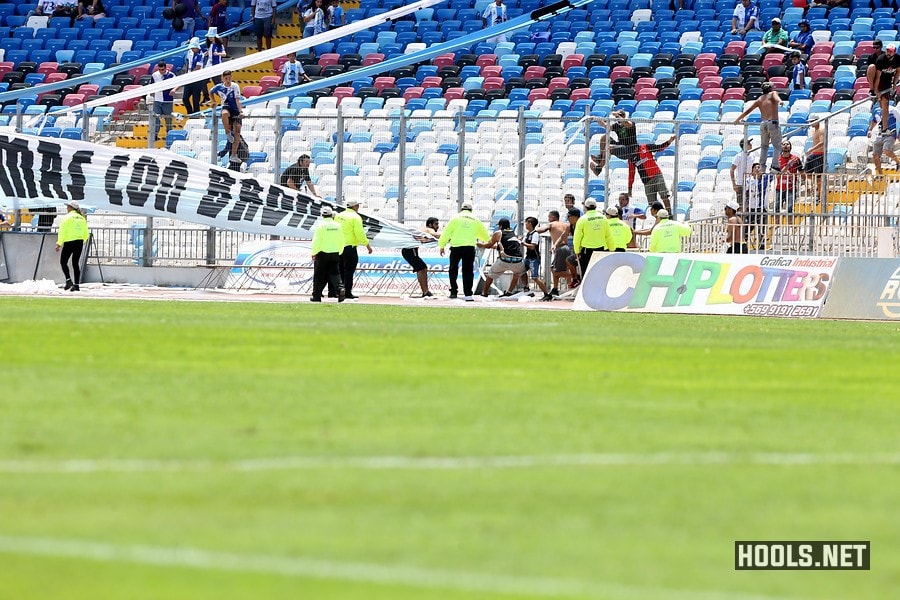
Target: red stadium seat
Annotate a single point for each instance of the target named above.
(650, 93)
(818, 59)
(863, 48)
(445, 60)
(329, 59)
(250, 91)
(538, 94)
(644, 83)
(454, 93)
(47, 68)
(383, 82)
(823, 48)
(278, 62)
(558, 83)
(534, 71)
(582, 94)
(779, 83)
(737, 47)
(828, 94)
(493, 83)
(492, 71)
(617, 72)
(821, 71)
(713, 94)
(736, 93)
(372, 58)
(73, 99)
(572, 60)
(431, 81)
(710, 82)
(269, 81)
(707, 59)
(413, 92)
(486, 60)
(342, 92)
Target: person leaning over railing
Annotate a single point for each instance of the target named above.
(73, 233)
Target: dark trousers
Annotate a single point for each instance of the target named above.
(191, 96)
(327, 270)
(584, 259)
(349, 260)
(466, 255)
(71, 250)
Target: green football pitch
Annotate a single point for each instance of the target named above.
(173, 450)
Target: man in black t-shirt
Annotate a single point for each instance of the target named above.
(297, 175)
(625, 144)
(887, 70)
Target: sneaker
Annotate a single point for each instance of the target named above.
(469, 299)
(68, 285)
(75, 288)
(342, 296)
(553, 292)
(506, 294)
(453, 296)
(547, 298)
(425, 295)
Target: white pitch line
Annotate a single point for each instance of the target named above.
(447, 463)
(357, 572)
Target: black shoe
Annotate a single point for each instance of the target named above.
(547, 298)
(453, 295)
(315, 299)
(506, 294)
(351, 297)
(341, 295)
(553, 292)
(68, 284)
(426, 295)
(75, 288)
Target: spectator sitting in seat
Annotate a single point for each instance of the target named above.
(745, 18)
(775, 39)
(91, 9)
(803, 40)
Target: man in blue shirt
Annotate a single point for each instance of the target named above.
(745, 18)
(803, 40)
(228, 94)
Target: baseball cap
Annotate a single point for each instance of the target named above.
(590, 203)
(612, 211)
(662, 214)
(467, 205)
(890, 48)
(732, 205)
(327, 211)
(776, 20)
(354, 203)
(74, 205)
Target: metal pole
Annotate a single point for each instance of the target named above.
(147, 257)
(587, 156)
(85, 125)
(18, 117)
(401, 178)
(461, 162)
(520, 192)
(276, 152)
(339, 158)
(213, 158)
(675, 177)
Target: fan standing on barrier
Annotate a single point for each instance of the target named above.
(887, 70)
(73, 233)
(229, 94)
(770, 127)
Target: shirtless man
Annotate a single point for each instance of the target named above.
(815, 159)
(734, 230)
(769, 129)
(560, 251)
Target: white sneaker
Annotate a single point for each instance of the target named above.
(469, 299)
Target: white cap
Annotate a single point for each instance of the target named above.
(327, 212)
(194, 45)
(353, 203)
(590, 203)
(662, 214)
(212, 32)
(467, 205)
(74, 205)
(733, 205)
(776, 20)
(612, 211)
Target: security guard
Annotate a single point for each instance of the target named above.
(462, 233)
(327, 243)
(354, 235)
(667, 234)
(73, 233)
(619, 229)
(591, 233)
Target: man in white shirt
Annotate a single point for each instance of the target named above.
(495, 14)
(740, 169)
(162, 101)
(744, 18)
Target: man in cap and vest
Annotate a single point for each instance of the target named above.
(327, 243)
(354, 235)
(462, 233)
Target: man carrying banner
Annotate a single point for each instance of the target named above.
(509, 260)
(327, 243)
(354, 235)
(73, 233)
(462, 233)
(411, 255)
(229, 94)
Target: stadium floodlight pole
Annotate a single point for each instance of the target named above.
(255, 59)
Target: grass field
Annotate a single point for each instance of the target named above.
(171, 450)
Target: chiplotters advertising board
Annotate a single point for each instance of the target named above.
(288, 266)
(758, 285)
(865, 288)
